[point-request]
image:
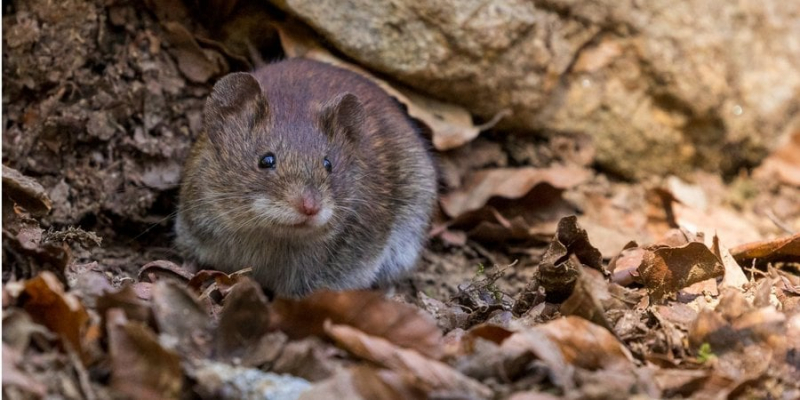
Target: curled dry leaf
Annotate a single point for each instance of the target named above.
(786, 248)
(367, 311)
(140, 367)
(734, 275)
(429, 375)
(26, 192)
(45, 300)
(668, 269)
(591, 299)
(509, 183)
(152, 271)
(451, 125)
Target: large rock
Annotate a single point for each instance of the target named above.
(662, 86)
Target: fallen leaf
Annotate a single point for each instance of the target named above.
(140, 367)
(591, 299)
(126, 300)
(309, 358)
(367, 311)
(244, 320)
(180, 319)
(26, 192)
(786, 248)
(197, 64)
(509, 183)
(668, 269)
(586, 345)
(430, 375)
(48, 304)
(152, 271)
(734, 275)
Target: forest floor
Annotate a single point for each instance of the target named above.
(544, 277)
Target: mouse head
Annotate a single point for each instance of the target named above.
(294, 162)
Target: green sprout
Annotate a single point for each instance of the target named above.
(704, 353)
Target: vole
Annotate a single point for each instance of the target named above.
(311, 175)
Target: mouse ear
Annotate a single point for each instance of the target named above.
(235, 105)
(344, 114)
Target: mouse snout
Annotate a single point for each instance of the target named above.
(308, 202)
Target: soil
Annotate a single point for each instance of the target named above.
(103, 99)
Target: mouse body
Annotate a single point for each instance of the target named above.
(309, 174)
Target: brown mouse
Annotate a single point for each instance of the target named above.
(311, 175)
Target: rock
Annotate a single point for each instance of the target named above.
(661, 87)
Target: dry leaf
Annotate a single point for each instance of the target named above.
(26, 192)
(181, 319)
(244, 320)
(429, 375)
(140, 367)
(787, 248)
(126, 300)
(62, 313)
(587, 345)
(668, 269)
(509, 183)
(368, 311)
(734, 275)
(197, 64)
(591, 299)
(152, 271)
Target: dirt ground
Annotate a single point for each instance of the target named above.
(635, 297)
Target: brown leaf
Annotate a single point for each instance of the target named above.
(310, 358)
(48, 304)
(786, 248)
(734, 275)
(451, 125)
(591, 299)
(126, 300)
(668, 269)
(368, 311)
(140, 367)
(197, 64)
(26, 192)
(587, 345)
(509, 183)
(429, 375)
(180, 317)
(152, 271)
(624, 267)
(536, 342)
(244, 320)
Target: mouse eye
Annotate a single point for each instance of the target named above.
(327, 164)
(267, 161)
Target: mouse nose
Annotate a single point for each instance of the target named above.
(308, 203)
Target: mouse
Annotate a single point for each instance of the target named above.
(311, 175)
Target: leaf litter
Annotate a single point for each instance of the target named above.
(544, 279)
